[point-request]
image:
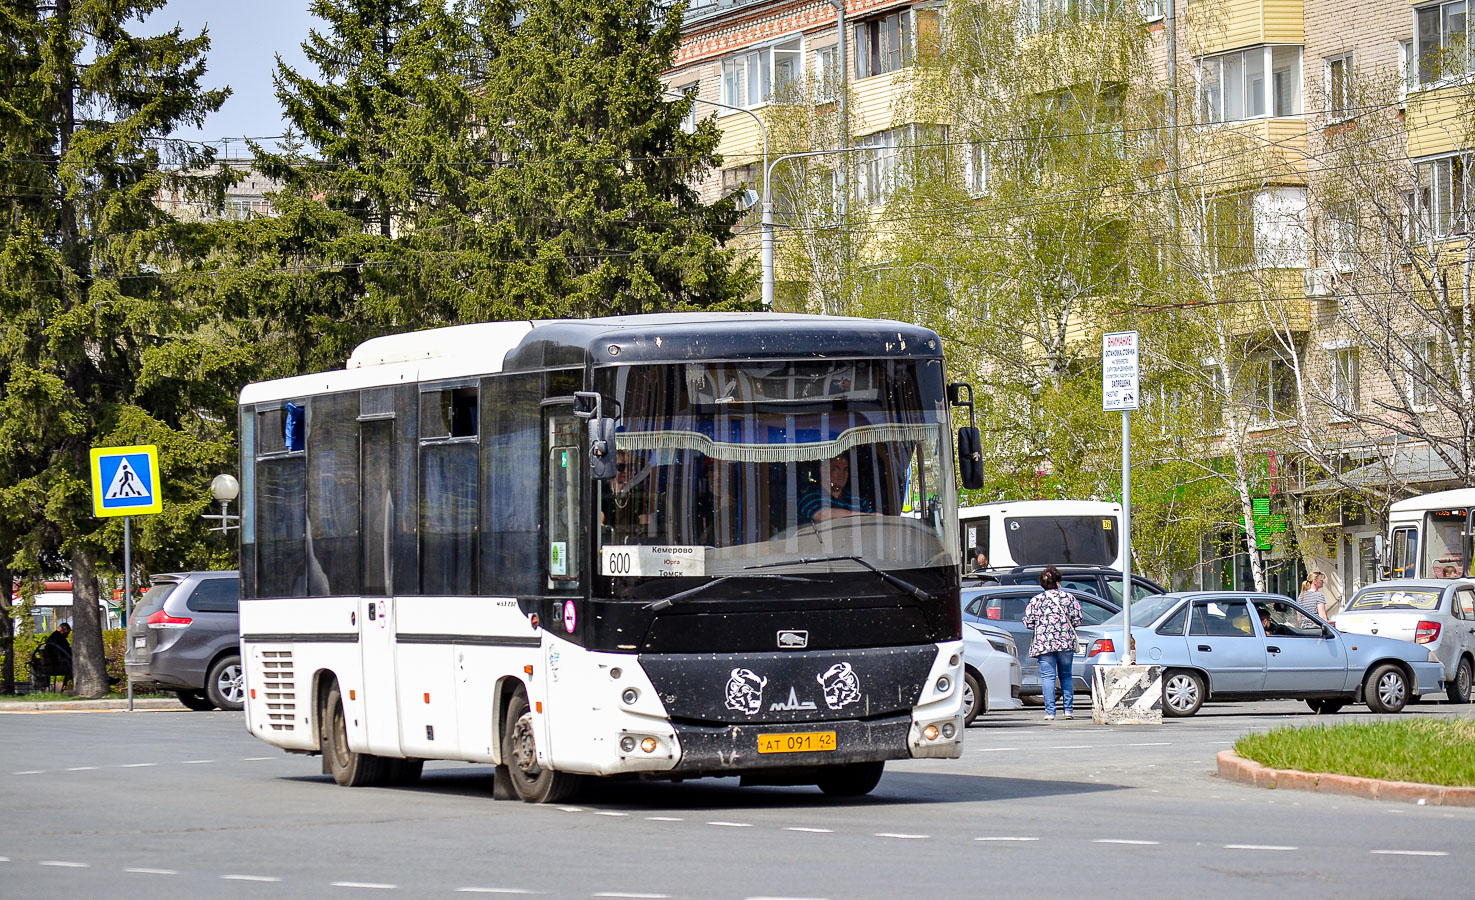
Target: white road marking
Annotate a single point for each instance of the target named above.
(82, 769)
(571, 809)
(605, 812)
(259, 758)
(811, 830)
(196, 762)
(368, 885)
(1409, 853)
(730, 825)
(1273, 847)
(1151, 744)
(249, 878)
(1006, 839)
(487, 890)
(63, 864)
(29, 772)
(1125, 841)
(136, 765)
(783, 898)
(1071, 747)
(4, 859)
(993, 749)
(663, 819)
(902, 837)
(632, 896)
(152, 871)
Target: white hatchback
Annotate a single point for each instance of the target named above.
(991, 671)
(1435, 612)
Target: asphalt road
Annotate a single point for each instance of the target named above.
(179, 804)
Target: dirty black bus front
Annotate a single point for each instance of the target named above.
(771, 540)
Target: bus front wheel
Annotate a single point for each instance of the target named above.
(348, 768)
(532, 782)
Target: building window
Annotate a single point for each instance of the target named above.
(1341, 238)
(1233, 86)
(1230, 237)
(1342, 389)
(975, 168)
(877, 173)
(1422, 375)
(883, 45)
(1443, 196)
(1443, 41)
(1406, 70)
(826, 74)
(1271, 383)
(760, 76)
(1152, 10)
(690, 120)
(1339, 102)
(732, 82)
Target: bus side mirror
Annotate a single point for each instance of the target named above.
(602, 448)
(970, 458)
(1378, 546)
(590, 405)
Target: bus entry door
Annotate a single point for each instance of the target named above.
(376, 643)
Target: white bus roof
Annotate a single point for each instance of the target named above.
(1044, 508)
(1437, 500)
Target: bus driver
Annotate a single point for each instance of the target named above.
(830, 496)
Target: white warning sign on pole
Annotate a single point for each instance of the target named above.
(1119, 367)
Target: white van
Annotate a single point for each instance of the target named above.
(1042, 532)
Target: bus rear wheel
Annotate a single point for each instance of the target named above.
(532, 782)
(851, 779)
(348, 768)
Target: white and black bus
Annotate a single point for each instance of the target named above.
(670, 546)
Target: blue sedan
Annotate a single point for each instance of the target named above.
(1230, 645)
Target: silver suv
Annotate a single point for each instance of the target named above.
(185, 637)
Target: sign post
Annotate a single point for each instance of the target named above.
(1119, 383)
(125, 482)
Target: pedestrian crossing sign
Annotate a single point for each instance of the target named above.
(125, 481)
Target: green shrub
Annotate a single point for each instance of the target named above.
(114, 643)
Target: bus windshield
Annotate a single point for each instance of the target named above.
(1057, 540)
(727, 467)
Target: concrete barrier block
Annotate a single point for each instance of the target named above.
(1127, 695)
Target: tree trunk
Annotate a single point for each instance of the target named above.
(89, 664)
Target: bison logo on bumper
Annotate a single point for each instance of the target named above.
(840, 685)
(745, 691)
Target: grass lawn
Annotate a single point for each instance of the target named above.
(53, 697)
(1431, 751)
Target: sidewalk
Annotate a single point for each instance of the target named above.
(72, 705)
(1237, 768)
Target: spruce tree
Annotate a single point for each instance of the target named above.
(593, 210)
(97, 347)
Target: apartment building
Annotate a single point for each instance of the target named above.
(1335, 137)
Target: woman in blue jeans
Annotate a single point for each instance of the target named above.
(1053, 615)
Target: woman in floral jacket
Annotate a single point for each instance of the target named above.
(1053, 616)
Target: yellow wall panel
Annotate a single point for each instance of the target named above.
(871, 101)
(1231, 24)
(742, 142)
(1437, 123)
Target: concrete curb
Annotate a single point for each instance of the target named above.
(1237, 768)
(109, 705)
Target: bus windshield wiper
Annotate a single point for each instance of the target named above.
(885, 576)
(666, 602)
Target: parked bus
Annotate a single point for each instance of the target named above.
(1041, 532)
(669, 546)
(1430, 536)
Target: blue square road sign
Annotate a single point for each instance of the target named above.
(125, 481)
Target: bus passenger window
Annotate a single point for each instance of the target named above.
(448, 413)
(566, 472)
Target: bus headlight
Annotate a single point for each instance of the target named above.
(627, 743)
(944, 684)
(630, 695)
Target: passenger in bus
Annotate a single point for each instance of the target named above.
(830, 497)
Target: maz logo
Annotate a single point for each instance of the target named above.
(793, 703)
(792, 639)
